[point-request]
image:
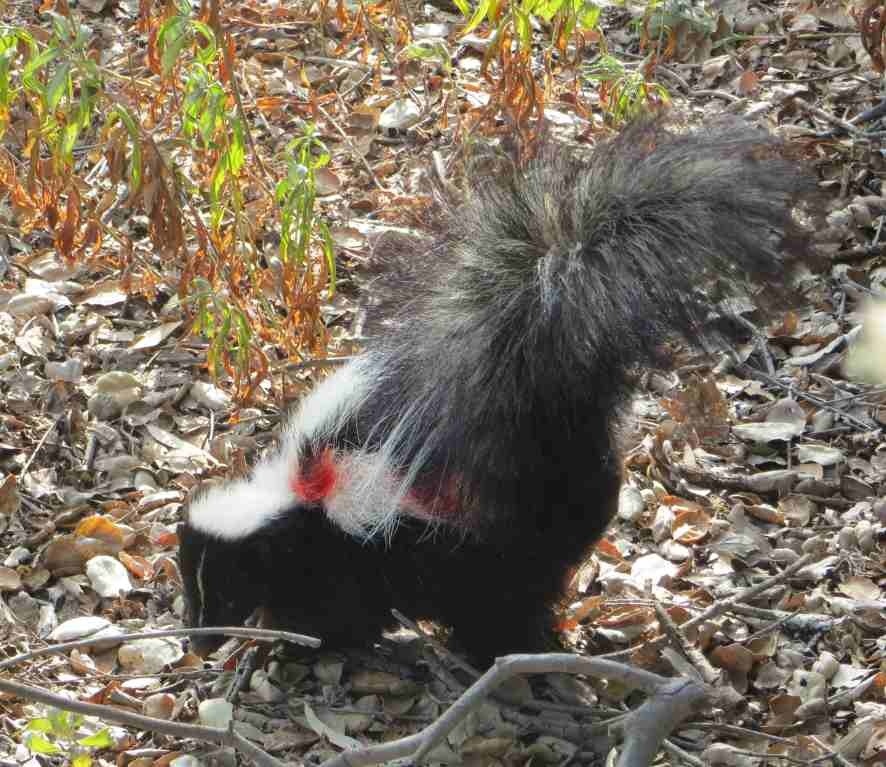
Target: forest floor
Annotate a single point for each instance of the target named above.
(108, 416)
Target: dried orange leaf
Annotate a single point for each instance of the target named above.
(138, 566)
(691, 526)
(100, 528)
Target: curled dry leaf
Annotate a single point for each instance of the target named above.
(765, 513)
(653, 568)
(68, 554)
(161, 705)
(10, 580)
(584, 610)
(138, 566)
(875, 748)
(100, 528)
(381, 683)
(737, 661)
(859, 587)
(691, 525)
(820, 454)
(10, 501)
(79, 628)
(797, 509)
(149, 656)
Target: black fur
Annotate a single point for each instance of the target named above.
(507, 357)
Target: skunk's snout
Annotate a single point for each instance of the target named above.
(204, 644)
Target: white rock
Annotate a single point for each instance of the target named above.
(630, 504)
(399, 115)
(106, 638)
(149, 656)
(78, 628)
(17, 556)
(264, 688)
(47, 622)
(108, 576)
(215, 712)
(210, 396)
(186, 760)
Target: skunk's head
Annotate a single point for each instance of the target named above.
(223, 581)
(225, 554)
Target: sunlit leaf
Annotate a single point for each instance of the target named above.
(58, 85)
(37, 744)
(39, 725)
(100, 739)
(33, 67)
(479, 14)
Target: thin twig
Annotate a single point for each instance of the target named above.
(752, 372)
(264, 635)
(829, 118)
(726, 605)
(39, 445)
(438, 648)
(355, 153)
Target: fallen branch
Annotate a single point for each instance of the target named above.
(725, 605)
(670, 701)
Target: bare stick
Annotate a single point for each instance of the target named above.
(670, 701)
(728, 604)
(659, 715)
(40, 444)
(829, 118)
(746, 595)
(263, 635)
(438, 648)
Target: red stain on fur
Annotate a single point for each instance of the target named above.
(434, 500)
(316, 479)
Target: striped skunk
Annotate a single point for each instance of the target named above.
(462, 466)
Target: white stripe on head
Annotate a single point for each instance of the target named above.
(200, 592)
(238, 509)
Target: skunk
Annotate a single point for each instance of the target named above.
(462, 466)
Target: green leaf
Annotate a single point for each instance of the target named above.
(61, 29)
(219, 174)
(523, 27)
(329, 254)
(69, 138)
(37, 744)
(479, 14)
(237, 150)
(462, 6)
(100, 739)
(588, 16)
(59, 84)
(39, 725)
(81, 760)
(135, 164)
(33, 67)
(174, 39)
(205, 53)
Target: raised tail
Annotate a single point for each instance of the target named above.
(520, 318)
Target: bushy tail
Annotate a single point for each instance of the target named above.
(610, 251)
(520, 319)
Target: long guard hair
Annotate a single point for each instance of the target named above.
(461, 465)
